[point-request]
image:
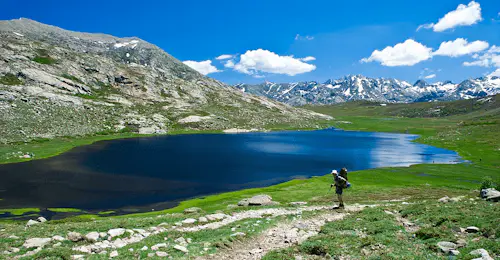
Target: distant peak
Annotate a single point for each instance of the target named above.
(420, 83)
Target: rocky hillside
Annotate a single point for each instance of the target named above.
(358, 87)
(55, 82)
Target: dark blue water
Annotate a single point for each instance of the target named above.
(164, 170)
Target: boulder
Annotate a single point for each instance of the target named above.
(446, 246)
(32, 222)
(260, 200)
(116, 232)
(216, 216)
(41, 219)
(181, 248)
(490, 194)
(454, 252)
(182, 241)
(75, 236)
(243, 203)
(58, 238)
(158, 246)
(36, 242)
(472, 229)
(161, 254)
(481, 252)
(444, 199)
(189, 221)
(113, 254)
(192, 210)
(92, 236)
(203, 220)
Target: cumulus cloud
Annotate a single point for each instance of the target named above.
(306, 37)
(495, 73)
(224, 57)
(229, 64)
(464, 15)
(255, 61)
(204, 67)
(430, 76)
(460, 47)
(308, 58)
(407, 53)
(490, 58)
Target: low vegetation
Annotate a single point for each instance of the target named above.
(10, 79)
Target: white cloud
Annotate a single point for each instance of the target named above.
(494, 49)
(488, 59)
(430, 76)
(464, 15)
(229, 64)
(460, 47)
(255, 61)
(308, 58)
(495, 73)
(224, 57)
(480, 63)
(407, 53)
(300, 37)
(204, 67)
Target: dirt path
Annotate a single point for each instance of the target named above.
(281, 236)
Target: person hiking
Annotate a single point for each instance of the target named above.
(340, 183)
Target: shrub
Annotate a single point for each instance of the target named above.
(10, 79)
(489, 183)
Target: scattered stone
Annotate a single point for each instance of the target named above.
(298, 203)
(77, 257)
(92, 237)
(203, 220)
(13, 250)
(75, 236)
(490, 194)
(472, 229)
(36, 242)
(461, 243)
(444, 199)
(192, 210)
(58, 238)
(454, 252)
(144, 248)
(41, 219)
(189, 221)
(181, 241)
(457, 199)
(238, 234)
(58, 244)
(32, 222)
(158, 246)
(151, 254)
(13, 237)
(131, 250)
(161, 254)
(216, 216)
(481, 252)
(116, 232)
(243, 203)
(181, 248)
(260, 200)
(232, 206)
(113, 254)
(103, 234)
(446, 246)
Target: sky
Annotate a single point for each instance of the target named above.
(295, 40)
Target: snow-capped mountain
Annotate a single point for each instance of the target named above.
(357, 87)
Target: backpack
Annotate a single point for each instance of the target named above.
(343, 174)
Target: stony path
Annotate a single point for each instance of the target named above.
(282, 236)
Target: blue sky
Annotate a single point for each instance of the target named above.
(262, 35)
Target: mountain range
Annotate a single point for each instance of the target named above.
(55, 82)
(358, 87)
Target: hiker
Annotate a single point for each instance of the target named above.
(340, 184)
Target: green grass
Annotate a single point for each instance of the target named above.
(44, 60)
(73, 78)
(10, 79)
(64, 210)
(19, 212)
(86, 96)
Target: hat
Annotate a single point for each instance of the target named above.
(334, 171)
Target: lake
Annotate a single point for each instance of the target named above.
(158, 172)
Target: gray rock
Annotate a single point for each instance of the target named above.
(454, 252)
(490, 194)
(472, 229)
(158, 246)
(58, 244)
(444, 199)
(77, 257)
(216, 216)
(144, 248)
(113, 254)
(41, 219)
(181, 241)
(58, 238)
(32, 222)
(260, 200)
(243, 203)
(36, 242)
(192, 210)
(151, 254)
(181, 248)
(238, 234)
(92, 236)
(75, 236)
(116, 232)
(446, 246)
(481, 252)
(202, 220)
(161, 254)
(298, 203)
(189, 221)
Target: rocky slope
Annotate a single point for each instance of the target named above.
(55, 82)
(358, 87)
